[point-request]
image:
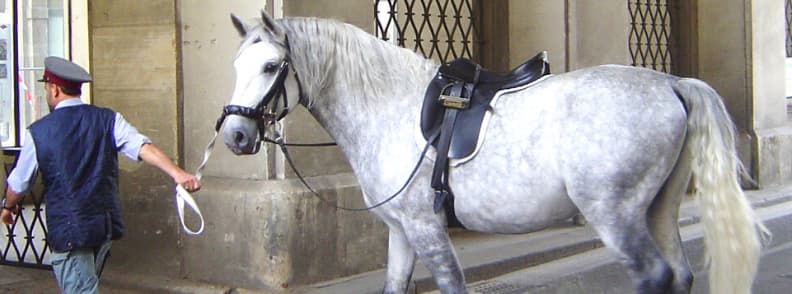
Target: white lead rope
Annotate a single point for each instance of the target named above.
(182, 196)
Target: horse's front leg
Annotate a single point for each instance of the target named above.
(401, 261)
(430, 240)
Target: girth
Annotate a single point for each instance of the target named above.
(455, 104)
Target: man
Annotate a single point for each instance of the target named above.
(75, 149)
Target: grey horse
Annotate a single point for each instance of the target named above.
(617, 144)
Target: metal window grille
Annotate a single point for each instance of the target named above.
(788, 28)
(24, 242)
(650, 33)
(438, 29)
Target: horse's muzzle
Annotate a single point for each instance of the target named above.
(241, 135)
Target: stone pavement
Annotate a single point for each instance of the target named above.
(35, 281)
(38, 281)
(563, 259)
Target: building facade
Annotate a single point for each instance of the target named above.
(166, 65)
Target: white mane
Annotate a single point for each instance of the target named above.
(324, 49)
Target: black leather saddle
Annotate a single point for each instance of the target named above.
(454, 107)
(468, 121)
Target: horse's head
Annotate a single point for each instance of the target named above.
(266, 87)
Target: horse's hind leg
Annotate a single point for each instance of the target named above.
(630, 239)
(623, 228)
(401, 260)
(664, 224)
(430, 240)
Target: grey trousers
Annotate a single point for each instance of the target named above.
(77, 271)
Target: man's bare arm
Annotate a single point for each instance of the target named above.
(152, 155)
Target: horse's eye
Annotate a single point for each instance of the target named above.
(270, 67)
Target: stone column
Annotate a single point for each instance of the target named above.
(741, 54)
(135, 69)
(264, 229)
(769, 112)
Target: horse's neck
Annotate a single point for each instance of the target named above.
(363, 90)
(373, 134)
(357, 119)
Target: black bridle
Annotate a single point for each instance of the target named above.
(278, 90)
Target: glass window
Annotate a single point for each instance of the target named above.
(788, 65)
(7, 107)
(30, 30)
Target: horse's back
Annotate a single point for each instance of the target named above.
(568, 135)
(594, 112)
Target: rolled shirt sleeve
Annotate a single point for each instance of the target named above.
(128, 140)
(27, 164)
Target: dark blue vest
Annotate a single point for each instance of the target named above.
(78, 162)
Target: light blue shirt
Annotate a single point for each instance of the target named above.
(127, 140)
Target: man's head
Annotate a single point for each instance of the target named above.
(63, 79)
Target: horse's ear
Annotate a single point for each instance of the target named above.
(270, 24)
(240, 27)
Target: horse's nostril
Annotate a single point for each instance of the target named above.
(239, 137)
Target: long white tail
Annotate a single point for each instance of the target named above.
(733, 232)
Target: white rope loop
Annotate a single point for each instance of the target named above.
(182, 196)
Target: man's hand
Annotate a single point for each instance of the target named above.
(10, 206)
(8, 216)
(188, 181)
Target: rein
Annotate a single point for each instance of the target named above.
(279, 141)
(183, 197)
